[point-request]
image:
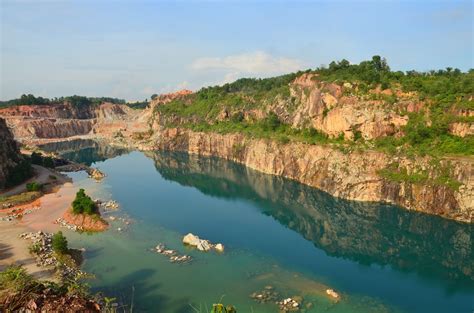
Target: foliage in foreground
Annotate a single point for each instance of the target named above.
(18, 288)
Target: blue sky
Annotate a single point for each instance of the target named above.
(132, 49)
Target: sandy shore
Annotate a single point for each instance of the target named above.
(14, 250)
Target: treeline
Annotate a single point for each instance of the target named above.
(79, 101)
(444, 86)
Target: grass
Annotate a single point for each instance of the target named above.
(21, 198)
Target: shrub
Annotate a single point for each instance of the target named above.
(19, 173)
(83, 204)
(36, 158)
(48, 162)
(59, 243)
(34, 186)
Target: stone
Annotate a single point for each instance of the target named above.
(332, 293)
(219, 247)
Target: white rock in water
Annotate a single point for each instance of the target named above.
(219, 247)
(191, 240)
(332, 293)
(203, 245)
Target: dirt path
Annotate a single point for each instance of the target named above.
(42, 176)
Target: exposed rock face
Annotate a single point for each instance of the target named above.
(29, 123)
(347, 175)
(336, 110)
(9, 153)
(461, 129)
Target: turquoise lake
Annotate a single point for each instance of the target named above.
(276, 232)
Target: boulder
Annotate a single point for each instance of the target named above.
(191, 240)
(332, 293)
(219, 247)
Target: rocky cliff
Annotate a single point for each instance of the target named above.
(349, 175)
(328, 136)
(9, 153)
(32, 123)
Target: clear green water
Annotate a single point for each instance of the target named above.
(276, 232)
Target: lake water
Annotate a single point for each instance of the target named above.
(276, 232)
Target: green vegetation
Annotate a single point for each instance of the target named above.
(439, 175)
(138, 105)
(38, 159)
(18, 288)
(444, 92)
(59, 243)
(21, 172)
(76, 101)
(34, 186)
(21, 198)
(83, 204)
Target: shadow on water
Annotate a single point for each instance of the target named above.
(137, 285)
(367, 233)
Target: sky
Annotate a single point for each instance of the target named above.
(133, 49)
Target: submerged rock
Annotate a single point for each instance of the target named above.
(332, 293)
(172, 255)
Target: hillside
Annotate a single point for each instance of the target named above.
(360, 132)
(13, 167)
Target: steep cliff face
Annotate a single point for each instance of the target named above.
(65, 120)
(335, 110)
(9, 153)
(352, 175)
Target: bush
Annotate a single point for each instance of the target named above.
(59, 243)
(19, 173)
(34, 186)
(83, 204)
(36, 158)
(48, 162)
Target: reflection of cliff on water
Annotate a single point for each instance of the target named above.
(363, 232)
(84, 151)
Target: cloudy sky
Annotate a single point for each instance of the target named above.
(132, 49)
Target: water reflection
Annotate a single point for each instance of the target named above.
(84, 151)
(368, 233)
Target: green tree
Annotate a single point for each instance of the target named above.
(48, 162)
(83, 204)
(37, 158)
(59, 243)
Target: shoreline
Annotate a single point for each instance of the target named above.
(13, 249)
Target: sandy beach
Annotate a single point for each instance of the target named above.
(14, 250)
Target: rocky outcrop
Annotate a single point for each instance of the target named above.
(85, 222)
(9, 153)
(334, 110)
(354, 175)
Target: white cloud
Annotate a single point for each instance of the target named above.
(254, 63)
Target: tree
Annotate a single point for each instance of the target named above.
(36, 158)
(48, 162)
(83, 204)
(59, 243)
